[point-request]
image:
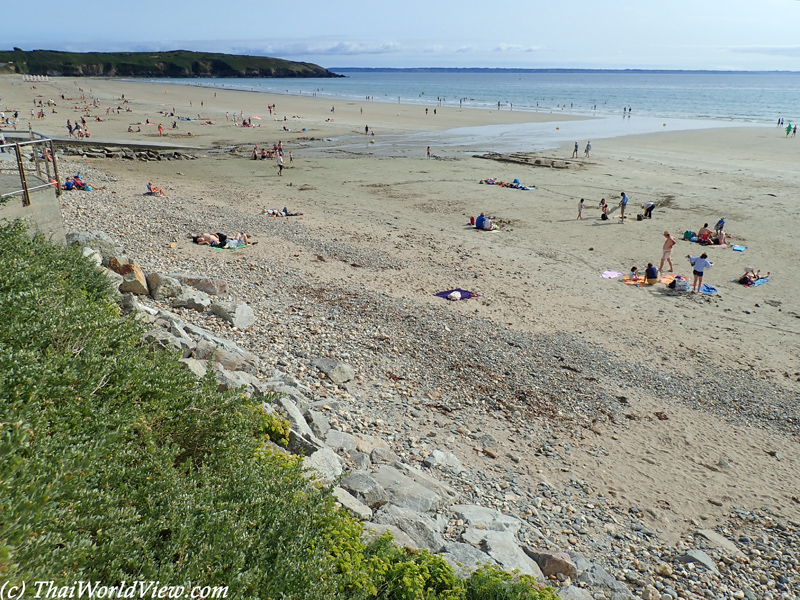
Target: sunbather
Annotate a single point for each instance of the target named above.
(750, 276)
(154, 191)
(220, 240)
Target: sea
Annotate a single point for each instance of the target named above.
(618, 102)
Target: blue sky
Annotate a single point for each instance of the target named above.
(668, 34)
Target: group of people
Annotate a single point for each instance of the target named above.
(586, 150)
(647, 209)
(717, 237)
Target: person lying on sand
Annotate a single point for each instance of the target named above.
(220, 240)
(750, 276)
(280, 213)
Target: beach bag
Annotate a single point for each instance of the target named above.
(688, 235)
(604, 217)
(639, 217)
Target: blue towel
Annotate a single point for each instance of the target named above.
(708, 289)
(760, 282)
(739, 248)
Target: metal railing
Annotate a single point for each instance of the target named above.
(43, 158)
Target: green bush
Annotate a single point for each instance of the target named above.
(116, 464)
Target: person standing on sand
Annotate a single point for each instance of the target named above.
(623, 204)
(575, 151)
(666, 251)
(580, 210)
(588, 149)
(280, 164)
(160, 130)
(429, 151)
(699, 265)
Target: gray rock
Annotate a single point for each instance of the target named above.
(115, 278)
(198, 367)
(597, 576)
(465, 559)
(443, 460)
(401, 539)
(317, 421)
(424, 530)
(580, 561)
(365, 488)
(304, 445)
(339, 440)
(360, 460)
(214, 287)
(93, 255)
(405, 492)
(700, 557)
(383, 455)
(226, 354)
(96, 240)
(278, 387)
(368, 443)
(337, 371)
(238, 314)
(352, 505)
(192, 299)
(571, 592)
(165, 339)
(287, 408)
(719, 541)
(486, 518)
(232, 380)
(162, 286)
(325, 464)
(502, 547)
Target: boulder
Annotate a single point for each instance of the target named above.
(352, 505)
(238, 314)
(400, 538)
(368, 443)
(115, 278)
(93, 255)
(443, 460)
(365, 488)
(700, 557)
(383, 456)
(287, 408)
(486, 518)
(502, 547)
(465, 559)
(598, 577)
(572, 592)
(337, 371)
(553, 562)
(96, 240)
(198, 367)
(426, 531)
(162, 286)
(718, 541)
(338, 440)
(209, 285)
(232, 380)
(229, 356)
(133, 279)
(325, 464)
(165, 339)
(193, 299)
(405, 492)
(360, 460)
(318, 422)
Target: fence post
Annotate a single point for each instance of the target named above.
(55, 169)
(26, 197)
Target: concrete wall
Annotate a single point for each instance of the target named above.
(44, 213)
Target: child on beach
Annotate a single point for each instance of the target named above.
(580, 210)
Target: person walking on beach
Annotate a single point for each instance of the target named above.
(160, 130)
(794, 131)
(429, 151)
(575, 151)
(699, 265)
(623, 204)
(580, 210)
(666, 251)
(588, 149)
(280, 164)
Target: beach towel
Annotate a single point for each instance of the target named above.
(629, 281)
(611, 274)
(739, 248)
(708, 289)
(465, 294)
(667, 279)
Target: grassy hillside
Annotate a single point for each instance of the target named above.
(177, 63)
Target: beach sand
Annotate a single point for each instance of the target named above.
(540, 274)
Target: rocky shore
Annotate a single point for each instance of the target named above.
(457, 434)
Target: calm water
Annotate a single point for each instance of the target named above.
(748, 97)
(658, 101)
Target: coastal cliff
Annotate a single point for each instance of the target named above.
(177, 63)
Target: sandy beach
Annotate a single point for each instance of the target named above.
(724, 368)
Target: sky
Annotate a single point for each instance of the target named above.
(608, 34)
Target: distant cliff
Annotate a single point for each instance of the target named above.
(177, 63)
